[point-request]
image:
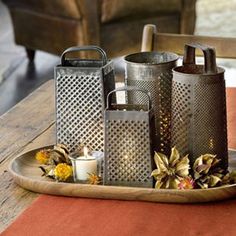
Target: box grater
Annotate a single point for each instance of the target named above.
(128, 142)
(81, 90)
(199, 106)
(152, 71)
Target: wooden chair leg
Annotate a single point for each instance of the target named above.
(148, 38)
(30, 54)
(188, 17)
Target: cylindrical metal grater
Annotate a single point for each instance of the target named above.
(152, 71)
(199, 106)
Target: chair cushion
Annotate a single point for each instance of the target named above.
(61, 8)
(116, 9)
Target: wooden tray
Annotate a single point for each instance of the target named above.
(26, 173)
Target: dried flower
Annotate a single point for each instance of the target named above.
(62, 172)
(186, 183)
(79, 151)
(170, 171)
(48, 171)
(232, 176)
(229, 178)
(59, 154)
(58, 165)
(43, 156)
(207, 172)
(94, 179)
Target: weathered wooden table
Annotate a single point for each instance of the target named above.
(28, 125)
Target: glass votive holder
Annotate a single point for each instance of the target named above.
(99, 155)
(83, 166)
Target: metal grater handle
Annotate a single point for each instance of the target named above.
(209, 57)
(84, 48)
(127, 89)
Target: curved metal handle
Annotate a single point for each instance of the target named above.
(84, 48)
(209, 57)
(128, 88)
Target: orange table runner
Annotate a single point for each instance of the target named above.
(63, 216)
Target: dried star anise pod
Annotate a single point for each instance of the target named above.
(170, 171)
(207, 172)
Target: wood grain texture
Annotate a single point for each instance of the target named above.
(148, 38)
(27, 120)
(14, 199)
(26, 173)
(188, 16)
(26, 126)
(225, 47)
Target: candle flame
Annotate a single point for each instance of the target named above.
(85, 151)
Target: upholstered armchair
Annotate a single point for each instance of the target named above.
(115, 25)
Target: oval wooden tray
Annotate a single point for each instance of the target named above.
(26, 173)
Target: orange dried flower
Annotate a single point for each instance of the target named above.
(42, 156)
(93, 179)
(186, 183)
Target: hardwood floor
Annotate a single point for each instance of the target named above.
(18, 77)
(25, 79)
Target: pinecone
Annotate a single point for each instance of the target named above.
(170, 171)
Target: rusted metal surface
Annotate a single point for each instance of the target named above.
(81, 89)
(199, 106)
(152, 71)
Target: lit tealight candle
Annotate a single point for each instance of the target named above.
(84, 165)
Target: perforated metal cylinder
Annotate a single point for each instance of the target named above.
(81, 89)
(152, 71)
(199, 112)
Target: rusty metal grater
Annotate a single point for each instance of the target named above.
(81, 88)
(199, 106)
(152, 71)
(128, 142)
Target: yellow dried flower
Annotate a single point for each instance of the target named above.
(63, 171)
(42, 156)
(93, 179)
